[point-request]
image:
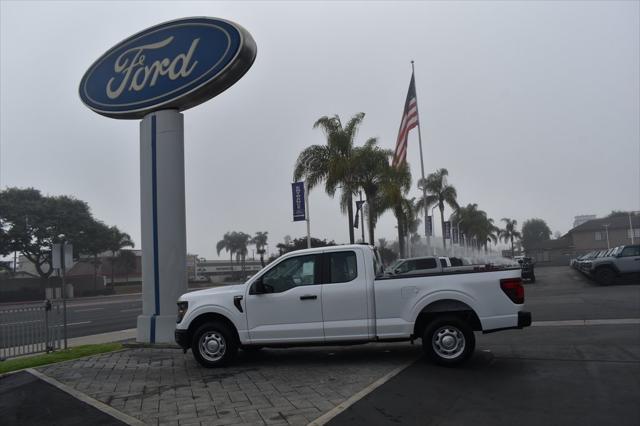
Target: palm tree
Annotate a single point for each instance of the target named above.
(117, 241)
(438, 192)
(240, 241)
(333, 162)
(370, 166)
(475, 225)
(226, 243)
(395, 184)
(509, 233)
(260, 241)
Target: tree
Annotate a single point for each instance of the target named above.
(31, 223)
(126, 262)
(438, 192)
(475, 225)
(260, 241)
(387, 255)
(226, 243)
(117, 240)
(371, 163)
(95, 240)
(235, 243)
(395, 184)
(301, 243)
(534, 231)
(333, 162)
(510, 232)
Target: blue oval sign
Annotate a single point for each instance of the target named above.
(174, 65)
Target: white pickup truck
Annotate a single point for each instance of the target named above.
(339, 295)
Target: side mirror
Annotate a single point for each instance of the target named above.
(258, 287)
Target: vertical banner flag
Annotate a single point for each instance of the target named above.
(447, 230)
(429, 226)
(297, 192)
(454, 235)
(356, 220)
(408, 122)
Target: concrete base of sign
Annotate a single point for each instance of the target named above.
(162, 207)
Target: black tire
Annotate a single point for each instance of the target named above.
(605, 276)
(214, 344)
(448, 353)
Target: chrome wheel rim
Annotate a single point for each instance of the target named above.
(212, 346)
(448, 342)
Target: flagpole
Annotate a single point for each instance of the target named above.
(424, 190)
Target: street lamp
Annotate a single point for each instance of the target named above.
(606, 229)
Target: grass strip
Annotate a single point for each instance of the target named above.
(58, 356)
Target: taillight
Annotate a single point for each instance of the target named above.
(514, 290)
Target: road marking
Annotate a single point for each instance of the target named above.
(326, 417)
(131, 310)
(87, 399)
(78, 323)
(89, 310)
(621, 321)
(21, 322)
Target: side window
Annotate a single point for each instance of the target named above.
(293, 272)
(630, 251)
(411, 265)
(426, 263)
(443, 263)
(342, 266)
(402, 268)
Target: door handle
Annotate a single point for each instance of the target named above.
(308, 297)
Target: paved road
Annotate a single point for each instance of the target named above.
(21, 403)
(549, 374)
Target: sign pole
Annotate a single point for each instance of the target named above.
(162, 208)
(306, 203)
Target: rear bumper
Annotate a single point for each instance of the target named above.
(182, 338)
(524, 319)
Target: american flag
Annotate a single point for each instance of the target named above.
(409, 121)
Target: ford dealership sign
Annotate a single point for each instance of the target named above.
(174, 65)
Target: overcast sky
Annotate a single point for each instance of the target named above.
(533, 107)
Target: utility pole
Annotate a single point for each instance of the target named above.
(631, 228)
(606, 229)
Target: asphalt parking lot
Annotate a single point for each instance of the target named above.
(578, 364)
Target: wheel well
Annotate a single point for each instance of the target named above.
(448, 306)
(211, 317)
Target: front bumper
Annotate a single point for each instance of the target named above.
(524, 319)
(182, 339)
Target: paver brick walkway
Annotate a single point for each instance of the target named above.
(274, 386)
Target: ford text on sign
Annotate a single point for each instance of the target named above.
(175, 65)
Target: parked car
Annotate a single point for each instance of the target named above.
(621, 261)
(416, 265)
(339, 295)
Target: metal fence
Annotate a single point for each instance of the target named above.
(29, 328)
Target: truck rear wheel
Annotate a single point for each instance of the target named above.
(448, 340)
(214, 345)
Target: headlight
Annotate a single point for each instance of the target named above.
(182, 309)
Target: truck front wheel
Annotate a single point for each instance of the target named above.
(214, 345)
(448, 340)
(605, 275)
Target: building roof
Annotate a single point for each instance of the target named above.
(616, 222)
